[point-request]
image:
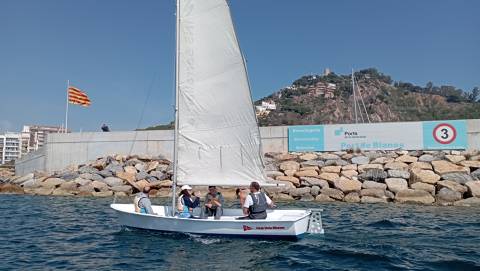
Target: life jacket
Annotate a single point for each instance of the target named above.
(183, 208)
(136, 202)
(259, 208)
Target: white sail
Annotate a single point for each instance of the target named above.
(218, 138)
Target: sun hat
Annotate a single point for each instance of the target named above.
(188, 187)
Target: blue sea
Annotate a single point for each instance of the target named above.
(66, 233)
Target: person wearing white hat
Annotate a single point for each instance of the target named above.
(187, 201)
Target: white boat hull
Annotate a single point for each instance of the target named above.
(279, 223)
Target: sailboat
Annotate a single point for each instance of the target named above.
(217, 139)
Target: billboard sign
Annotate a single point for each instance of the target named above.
(379, 136)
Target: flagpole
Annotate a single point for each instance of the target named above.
(66, 108)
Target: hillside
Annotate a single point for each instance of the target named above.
(311, 100)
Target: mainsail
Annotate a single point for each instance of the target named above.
(218, 137)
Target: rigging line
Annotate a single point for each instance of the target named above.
(361, 98)
(149, 92)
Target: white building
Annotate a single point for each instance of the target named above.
(37, 135)
(10, 147)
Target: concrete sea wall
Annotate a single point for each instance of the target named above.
(63, 150)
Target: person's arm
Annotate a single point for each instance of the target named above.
(220, 199)
(148, 206)
(246, 205)
(269, 202)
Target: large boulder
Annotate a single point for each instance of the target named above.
(130, 169)
(91, 176)
(289, 165)
(375, 185)
(105, 173)
(52, 182)
(62, 192)
(308, 156)
(383, 160)
(446, 196)
(293, 180)
(309, 181)
(330, 177)
(360, 160)
(141, 175)
(461, 178)
(349, 173)
(452, 186)
(328, 156)
(88, 169)
(299, 192)
(424, 186)
(69, 186)
(368, 199)
(332, 193)
(122, 188)
(331, 169)
(476, 174)
(347, 185)
(373, 192)
(349, 167)
(396, 173)
(455, 158)
(364, 168)
(113, 181)
(307, 197)
(23, 179)
(473, 201)
(398, 165)
(306, 173)
(373, 175)
(315, 163)
(9, 188)
(414, 196)
(420, 165)
(396, 184)
(471, 164)
(273, 173)
(102, 194)
(323, 198)
(426, 158)
(443, 167)
(43, 191)
(99, 186)
(315, 190)
(473, 188)
(406, 159)
(352, 197)
(285, 156)
(424, 176)
(152, 165)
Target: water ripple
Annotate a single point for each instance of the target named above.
(60, 233)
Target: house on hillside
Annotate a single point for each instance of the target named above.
(322, 89)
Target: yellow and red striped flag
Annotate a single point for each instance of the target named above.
(76, 96)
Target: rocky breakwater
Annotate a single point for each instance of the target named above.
(119, 175)
(418, 177)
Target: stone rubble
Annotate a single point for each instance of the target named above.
(418, 177)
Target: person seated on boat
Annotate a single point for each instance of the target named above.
(187, 201)
(241, 194)
(213, 203)
(142, 202)
(256, 203)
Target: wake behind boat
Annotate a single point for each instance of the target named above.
(217, 140)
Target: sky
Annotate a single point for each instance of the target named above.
(121, 52)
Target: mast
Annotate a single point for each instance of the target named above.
(66, 108)
(175, 140)
(354, 98)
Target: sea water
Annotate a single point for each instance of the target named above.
(68, 233)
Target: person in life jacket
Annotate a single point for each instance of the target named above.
(142, 202)
(256, 203)
(187, 201)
